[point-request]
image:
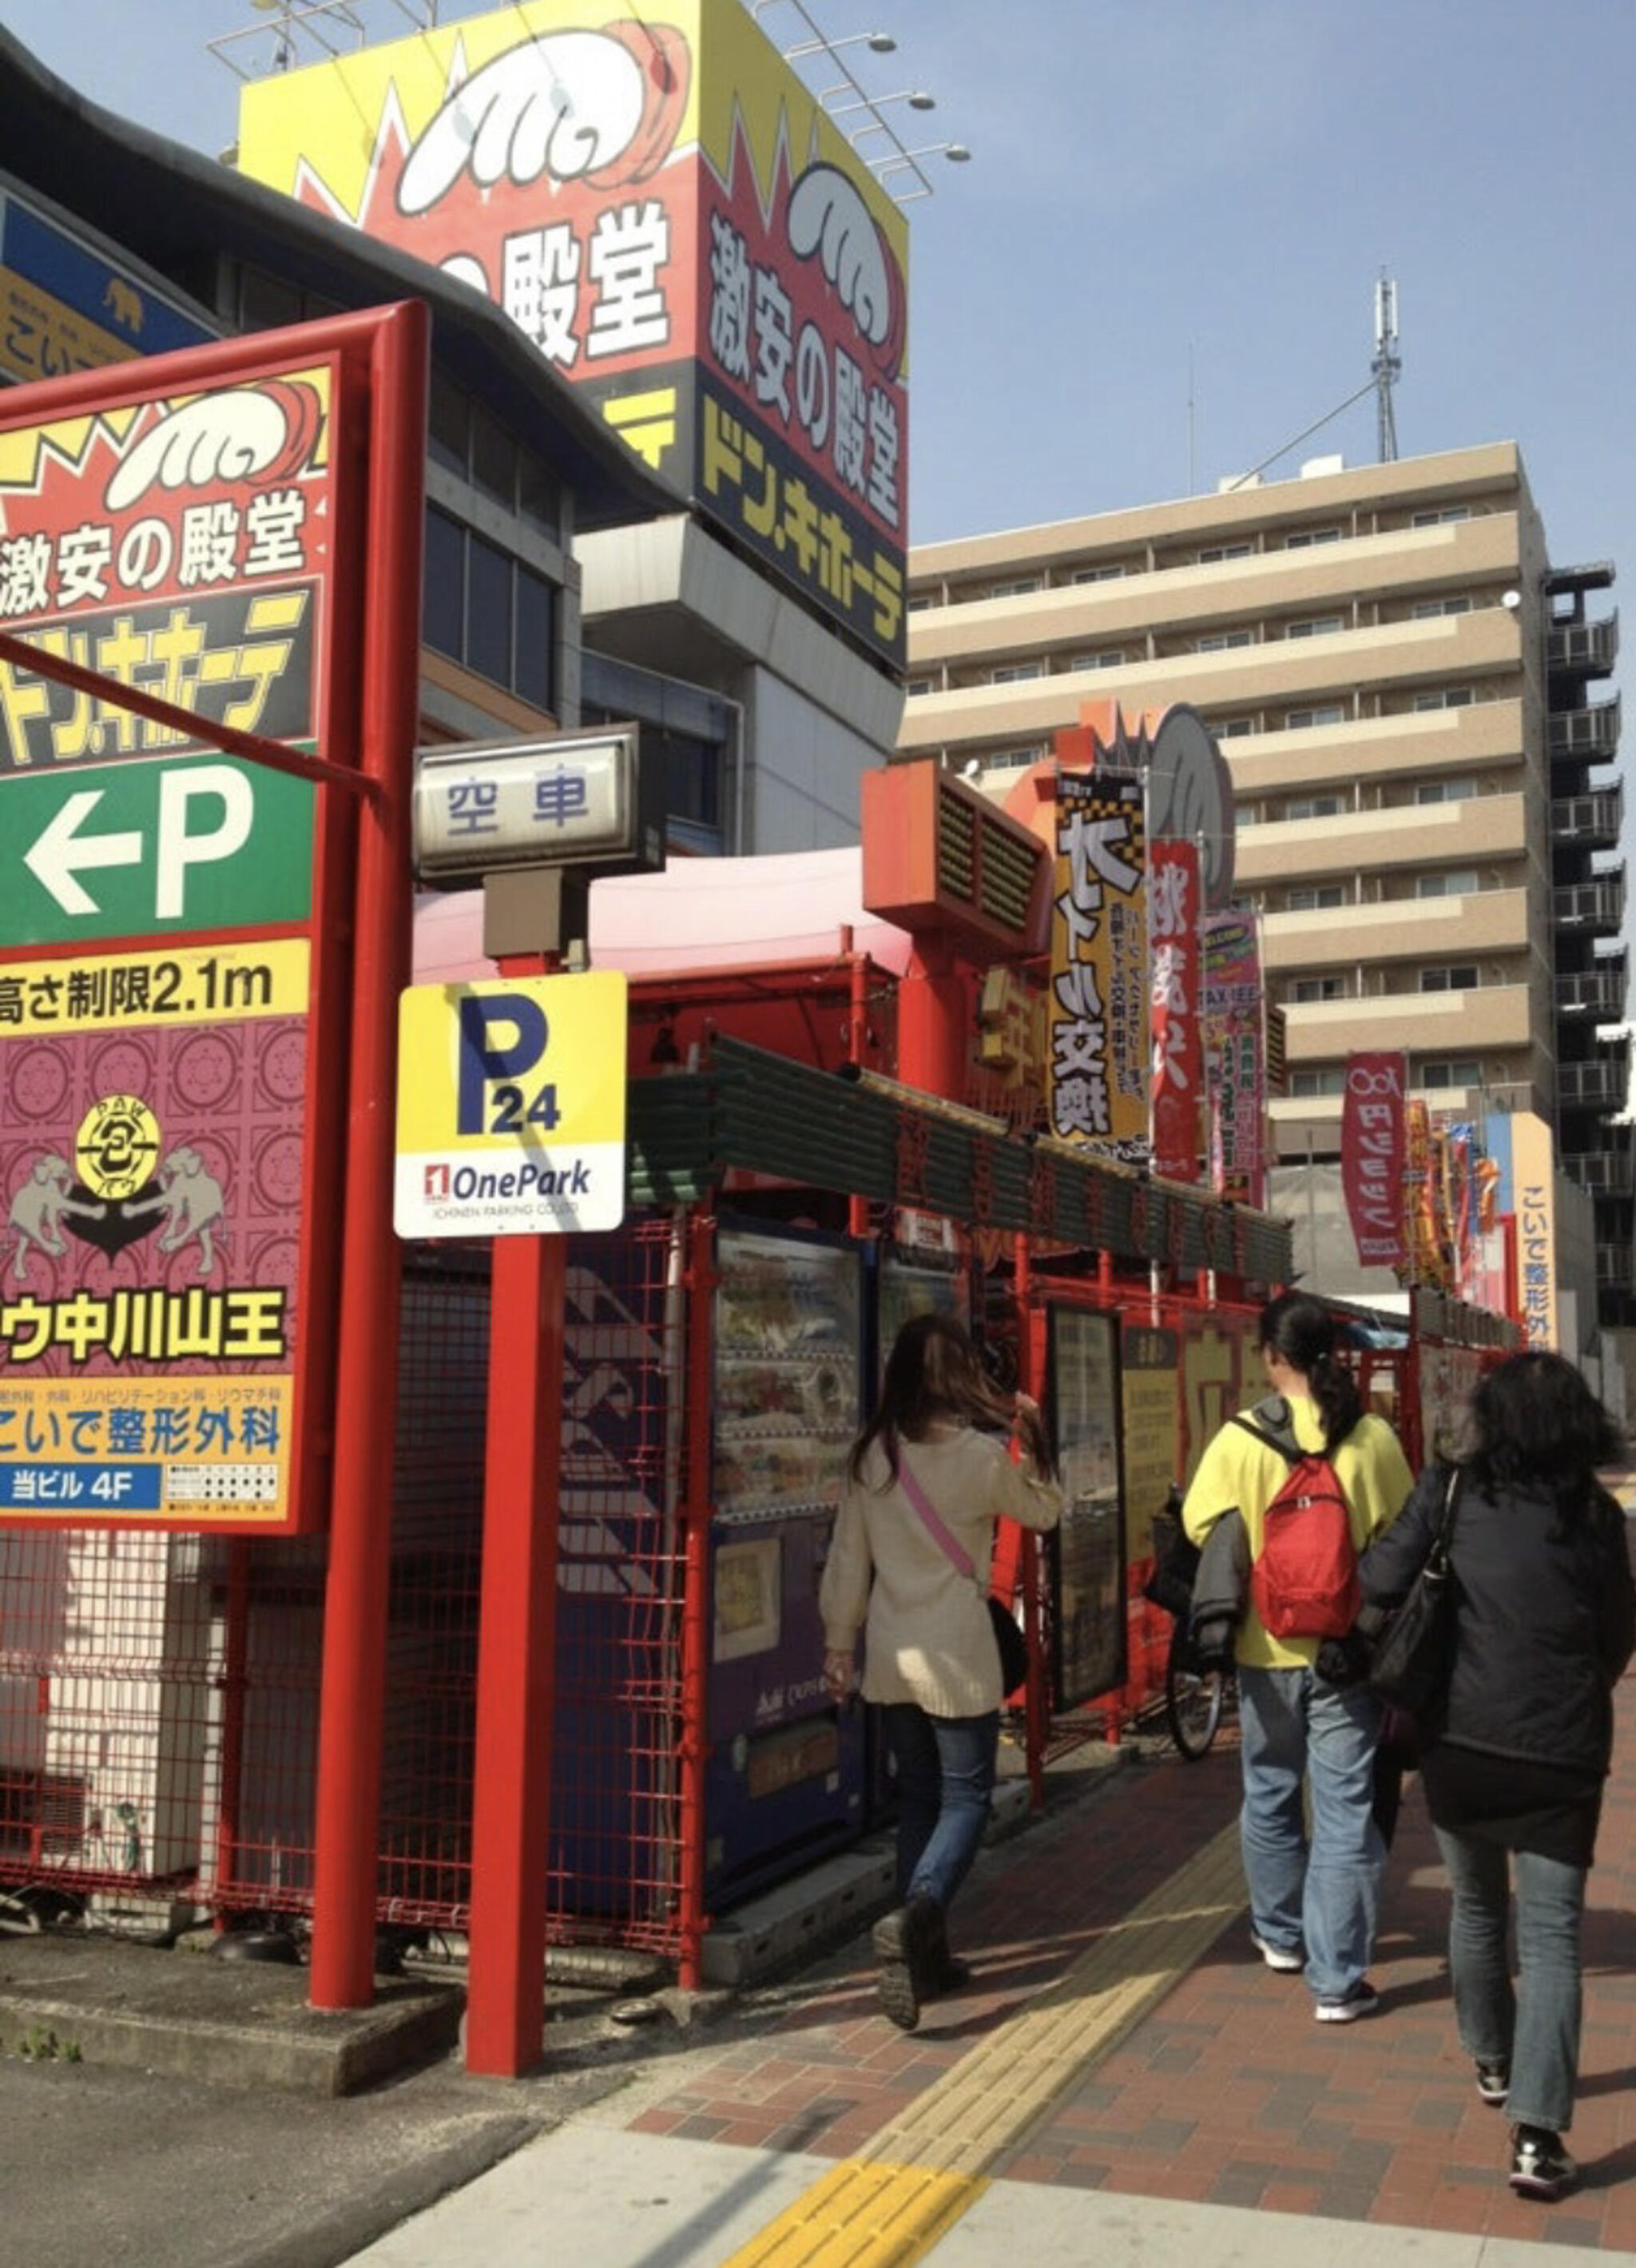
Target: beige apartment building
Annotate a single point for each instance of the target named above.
(1427, 822)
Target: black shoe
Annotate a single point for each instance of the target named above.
(1540, 2167)
(945, 1973)
(1493, 2082)
(904, 1942)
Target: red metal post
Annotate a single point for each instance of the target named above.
(352, 1700)
(696, 1632)
(516, 1648)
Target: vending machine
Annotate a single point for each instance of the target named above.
(785, 1777)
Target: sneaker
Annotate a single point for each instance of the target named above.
(1284, 1958)
(1493, 2082)
(903, 1942)
(1540, 2167)
(1358, 1999)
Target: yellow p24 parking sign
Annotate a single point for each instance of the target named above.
(512, 1106)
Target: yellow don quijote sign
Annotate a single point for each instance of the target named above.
(512, 1106)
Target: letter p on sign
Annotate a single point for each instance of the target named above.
(502, 1035)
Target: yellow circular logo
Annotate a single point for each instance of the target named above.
(117, 1146)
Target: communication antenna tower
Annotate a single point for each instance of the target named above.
(1387, 364)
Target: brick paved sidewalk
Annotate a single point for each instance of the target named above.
(1228, 2093)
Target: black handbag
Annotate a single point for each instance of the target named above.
(1013, 1647)
(1415, 1655)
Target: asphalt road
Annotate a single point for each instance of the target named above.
(101, 2166)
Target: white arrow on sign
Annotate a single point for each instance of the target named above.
(56, 857)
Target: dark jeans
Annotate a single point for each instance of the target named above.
(945, 1773)
(1534, 2027)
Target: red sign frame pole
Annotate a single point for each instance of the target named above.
(517, 1644)
(352, 1699)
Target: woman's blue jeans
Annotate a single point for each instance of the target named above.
(945, 1774)
(1321, 1894)
(1535, 2029)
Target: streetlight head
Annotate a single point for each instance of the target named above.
(921, 100)
(957, 154)
(881, 43)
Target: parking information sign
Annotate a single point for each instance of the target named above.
(512, 1106)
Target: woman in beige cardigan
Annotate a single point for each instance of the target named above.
(930, 1657)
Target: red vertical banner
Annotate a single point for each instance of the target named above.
(1173, 911)
(1373, 1151)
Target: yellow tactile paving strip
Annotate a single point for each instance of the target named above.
(889, 2206)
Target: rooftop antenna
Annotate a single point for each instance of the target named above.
(1387, 364)
(1383, 377)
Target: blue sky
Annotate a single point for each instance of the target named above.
(1159, 266)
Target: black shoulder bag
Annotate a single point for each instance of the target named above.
(1415, 1656)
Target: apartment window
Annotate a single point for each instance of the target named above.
(1441, 514)
(1315, 626)
(1299, 719)
(921, 605)
(1319, 987)
(913, 685)
(1461, 977)
(1110, 658)
(1424, 608)
(1446, 790)
(1097, 575)
(1315, 807)
(1452, 1071)
(1214, 553)
(1017, 588)
(1301, 539)
(1459, 882)
(1233, 728)
(1446, 697)
(1330, 1079)
(1219, 641)
(1317, 897)
(1016, 672)
(488, 610)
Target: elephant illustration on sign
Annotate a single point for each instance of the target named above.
(192, 1202)
(39, 1208)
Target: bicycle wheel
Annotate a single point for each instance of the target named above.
(1194, 1691)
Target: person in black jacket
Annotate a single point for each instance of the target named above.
(1545, 1621)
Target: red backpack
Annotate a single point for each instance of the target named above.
(1305, 1582)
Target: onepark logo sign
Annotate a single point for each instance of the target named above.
(512, 1106)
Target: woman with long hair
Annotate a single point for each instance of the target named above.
(1544, 1620)
(1313, 1897)
(937, 1442)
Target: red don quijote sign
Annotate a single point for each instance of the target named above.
(173, 993)
(1373, 1153)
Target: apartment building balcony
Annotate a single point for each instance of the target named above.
(1488, 1017)
(1591, 735)
(1406, 837)
(1603, 1172)
(1602, 1084)
(1597, 993)
(1595, 908)
(1398, 929)
(1590, 822)
(1583, 649)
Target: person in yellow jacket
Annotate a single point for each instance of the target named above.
(1312, 1898)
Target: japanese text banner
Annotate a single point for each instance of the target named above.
(1372, 1146)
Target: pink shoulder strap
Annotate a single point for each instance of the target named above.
(922, 1503)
